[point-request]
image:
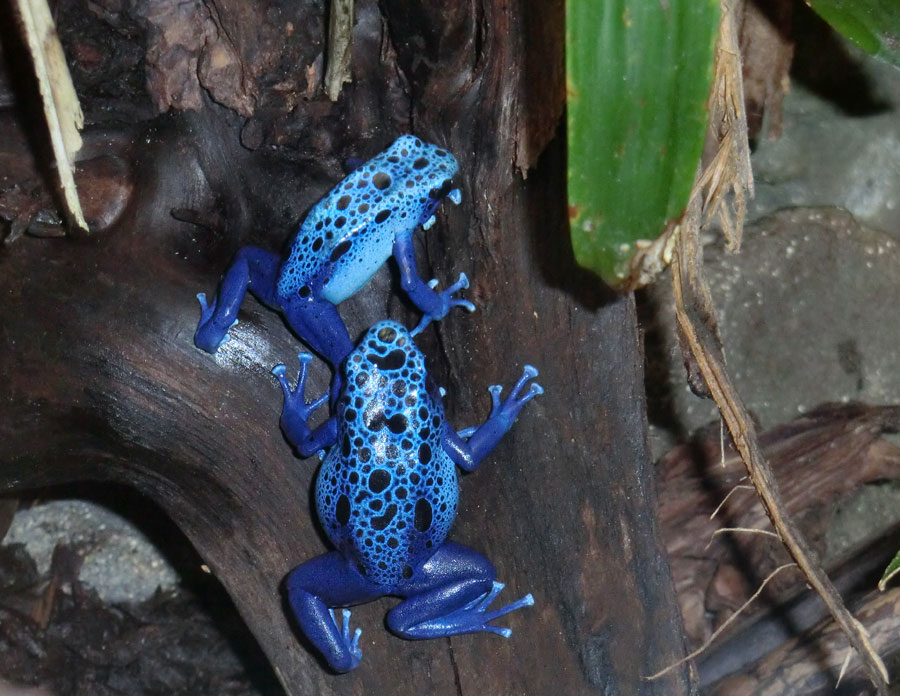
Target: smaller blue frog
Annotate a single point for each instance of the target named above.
(346, 237)
(387, 495)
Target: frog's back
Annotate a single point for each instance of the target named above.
(350, 233)
(387, 492)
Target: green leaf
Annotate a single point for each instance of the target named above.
(638, 77)
(889, 572)
(873, 25)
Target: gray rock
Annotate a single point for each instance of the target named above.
(808, 313)
(119, 562)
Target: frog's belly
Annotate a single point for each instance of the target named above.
(387, 532)
(353, 262)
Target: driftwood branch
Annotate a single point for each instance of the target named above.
(103, 383)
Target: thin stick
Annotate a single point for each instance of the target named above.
(61, 108)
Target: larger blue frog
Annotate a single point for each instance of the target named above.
(387, 494)
(346, 237)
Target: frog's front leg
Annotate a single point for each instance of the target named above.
(449, 595)
(482, 439)
(296, 412)
(434, 305)
(317, 586)
(253, 269)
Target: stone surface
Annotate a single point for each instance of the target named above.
(120, 563)
(805, 317)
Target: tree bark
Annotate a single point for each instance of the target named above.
(103, 381)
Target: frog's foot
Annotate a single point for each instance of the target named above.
(447, 302)
(510, 408)
(207, 336)
(350, 644)
(295, 405)
(472, 617)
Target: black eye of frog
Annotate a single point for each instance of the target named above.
(437, 194)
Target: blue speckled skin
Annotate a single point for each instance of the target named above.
(345, 238)
(387, 494)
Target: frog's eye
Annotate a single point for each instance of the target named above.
(438, 193)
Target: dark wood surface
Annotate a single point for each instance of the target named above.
(102, 381)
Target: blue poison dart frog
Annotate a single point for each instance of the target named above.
(346, 237)
(386, 496)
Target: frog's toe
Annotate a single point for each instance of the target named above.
(530, 372)
(475, 616)
(352, 655)
(205, 310)
(295, 399)
(465, 304)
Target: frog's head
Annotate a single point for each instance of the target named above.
(386, 351)
(426, 177)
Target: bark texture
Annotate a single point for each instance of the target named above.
(103, 382)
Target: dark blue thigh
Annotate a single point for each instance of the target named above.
(318, 323)
(454, 576)
(315, 587)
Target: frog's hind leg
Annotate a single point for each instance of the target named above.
(450, 594)
(316, 321)
(253, 269)
(317, 586)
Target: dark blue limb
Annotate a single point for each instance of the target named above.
(434, 305)
(468, 453)
(253, 269)
(450, 595)
(296, 412)
(313, 589)
(318, 323)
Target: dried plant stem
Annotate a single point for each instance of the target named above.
(692, 300)
(725, 624)
(739, 487)
(729, 170)
(340, 28)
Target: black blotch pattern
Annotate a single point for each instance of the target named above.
(399, 488)
(423, 515)
(397, 424)
(385, 519)
(392, 361)
(340, 250)
(342, 510)
(379, 480)
(395, 185)
(387, 334)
